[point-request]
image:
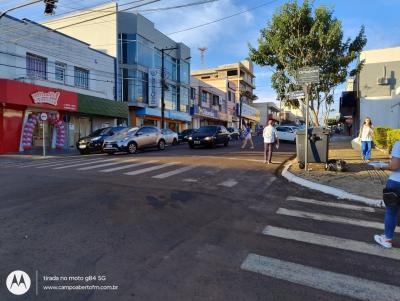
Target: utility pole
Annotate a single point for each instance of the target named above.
(202, 52)
(240, 111)
(163, 85)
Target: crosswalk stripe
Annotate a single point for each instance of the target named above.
(83, 163)
(128, 166)
(333, 242)
(332, 218)
(148, 169)
(341, 284)
(58, 163)
(228, 183)
(174, 172)
(106, 164)
(190, 180)
(330, 204)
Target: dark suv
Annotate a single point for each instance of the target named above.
(94, 142)
(210, 135)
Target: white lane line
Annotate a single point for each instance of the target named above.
(228, 183)
(332, 218)
(148, 169)
(190, 180)
(128, 166)
(47, 165)
(83, 163)
(330, 204)
(174, 172)
(333, 242)
(106, 164)
(30, 164)
(341, 284)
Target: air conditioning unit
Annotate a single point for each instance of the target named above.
(383, 81)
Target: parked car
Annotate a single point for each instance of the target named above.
(170, 136)
(210, 135)
(184, 135)
(286, 132)
(133, 139)
(94, 142)
(234, 133)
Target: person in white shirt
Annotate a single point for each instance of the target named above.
(270, 138)
(366, 134)
(392, 212)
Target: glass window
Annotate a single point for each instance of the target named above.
(204, 96)
(36, 66)
(60, 71)
(145, 52)
(184, 100)
(215, 100)
(157, 58)
(81, 78)
(192, 93)
(232, 72)
(170, 67)
(171, 97)
(184, 72)
(135, 85)
(127, 50)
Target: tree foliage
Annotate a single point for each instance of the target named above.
(297, 37)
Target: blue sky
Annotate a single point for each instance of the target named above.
(227, 40)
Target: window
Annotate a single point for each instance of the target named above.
(184, 100)
(232, 73)
(215, 100)
(127, 49)
(81, 78)
(192, 93)
(36, 66)
(145, 51)
(204, 96)
(135, 84)
(184, 72)
(205, 77)
(60, 71)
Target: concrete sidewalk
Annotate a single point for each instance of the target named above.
(361, 179)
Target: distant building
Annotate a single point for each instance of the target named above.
(138, 47)
(241, 74)
(268, 110)
(46, 72)
(375, 92)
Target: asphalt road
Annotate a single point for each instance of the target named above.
(203, 224)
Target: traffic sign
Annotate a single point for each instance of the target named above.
(296, 94)
(43, 116)
(308, 75)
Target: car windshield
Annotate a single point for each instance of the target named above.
(126, 132)
(231, 129)
(99, 132)
(207, 130)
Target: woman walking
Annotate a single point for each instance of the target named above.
(366, 134)
(270, 138)
(392, 208)
(247, 137)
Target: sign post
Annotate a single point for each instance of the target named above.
(43, 118)
(305, 77)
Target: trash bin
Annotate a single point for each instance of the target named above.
(318, 146)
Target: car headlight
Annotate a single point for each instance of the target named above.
(95, 139)
(209, 138)
(190, 138)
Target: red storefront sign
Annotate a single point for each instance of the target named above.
(18, 93)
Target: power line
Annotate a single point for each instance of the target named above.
(222, 19)
(178, 6)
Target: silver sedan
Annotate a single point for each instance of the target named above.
(170, 136)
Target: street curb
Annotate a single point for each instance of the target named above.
(339, 193)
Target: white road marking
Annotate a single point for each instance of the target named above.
(47, 162)
(341, 284)
(83, 163)
(128, 166)
(106, 164)
(148, 169)
(330, 204)
(174, 172)
(46, 165)
(190, 180)
(333, 242)
(228, 183)
(332, 218)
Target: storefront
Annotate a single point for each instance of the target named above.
(21, 106)
(206, 116)
(250, 115)
(176, 121)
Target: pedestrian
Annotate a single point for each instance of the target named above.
(270, 136)
(393, 207)
(247, 136)
(365, 135)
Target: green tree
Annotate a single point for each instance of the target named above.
(297, 37)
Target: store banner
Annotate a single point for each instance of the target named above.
(248, 112)
(154, 87)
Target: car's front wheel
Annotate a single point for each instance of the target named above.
(161, 145)
(175, 142)
(132, 148)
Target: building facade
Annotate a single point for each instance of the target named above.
(241, 74)
(139, 48)
(210, 105)
(268, 110)
(42, 71)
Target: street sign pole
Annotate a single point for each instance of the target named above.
(306, 100)
(44, 142)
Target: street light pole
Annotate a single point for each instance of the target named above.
(163, 85)
(240, 111)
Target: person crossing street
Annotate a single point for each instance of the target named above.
(247, 137)
(270, 139)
